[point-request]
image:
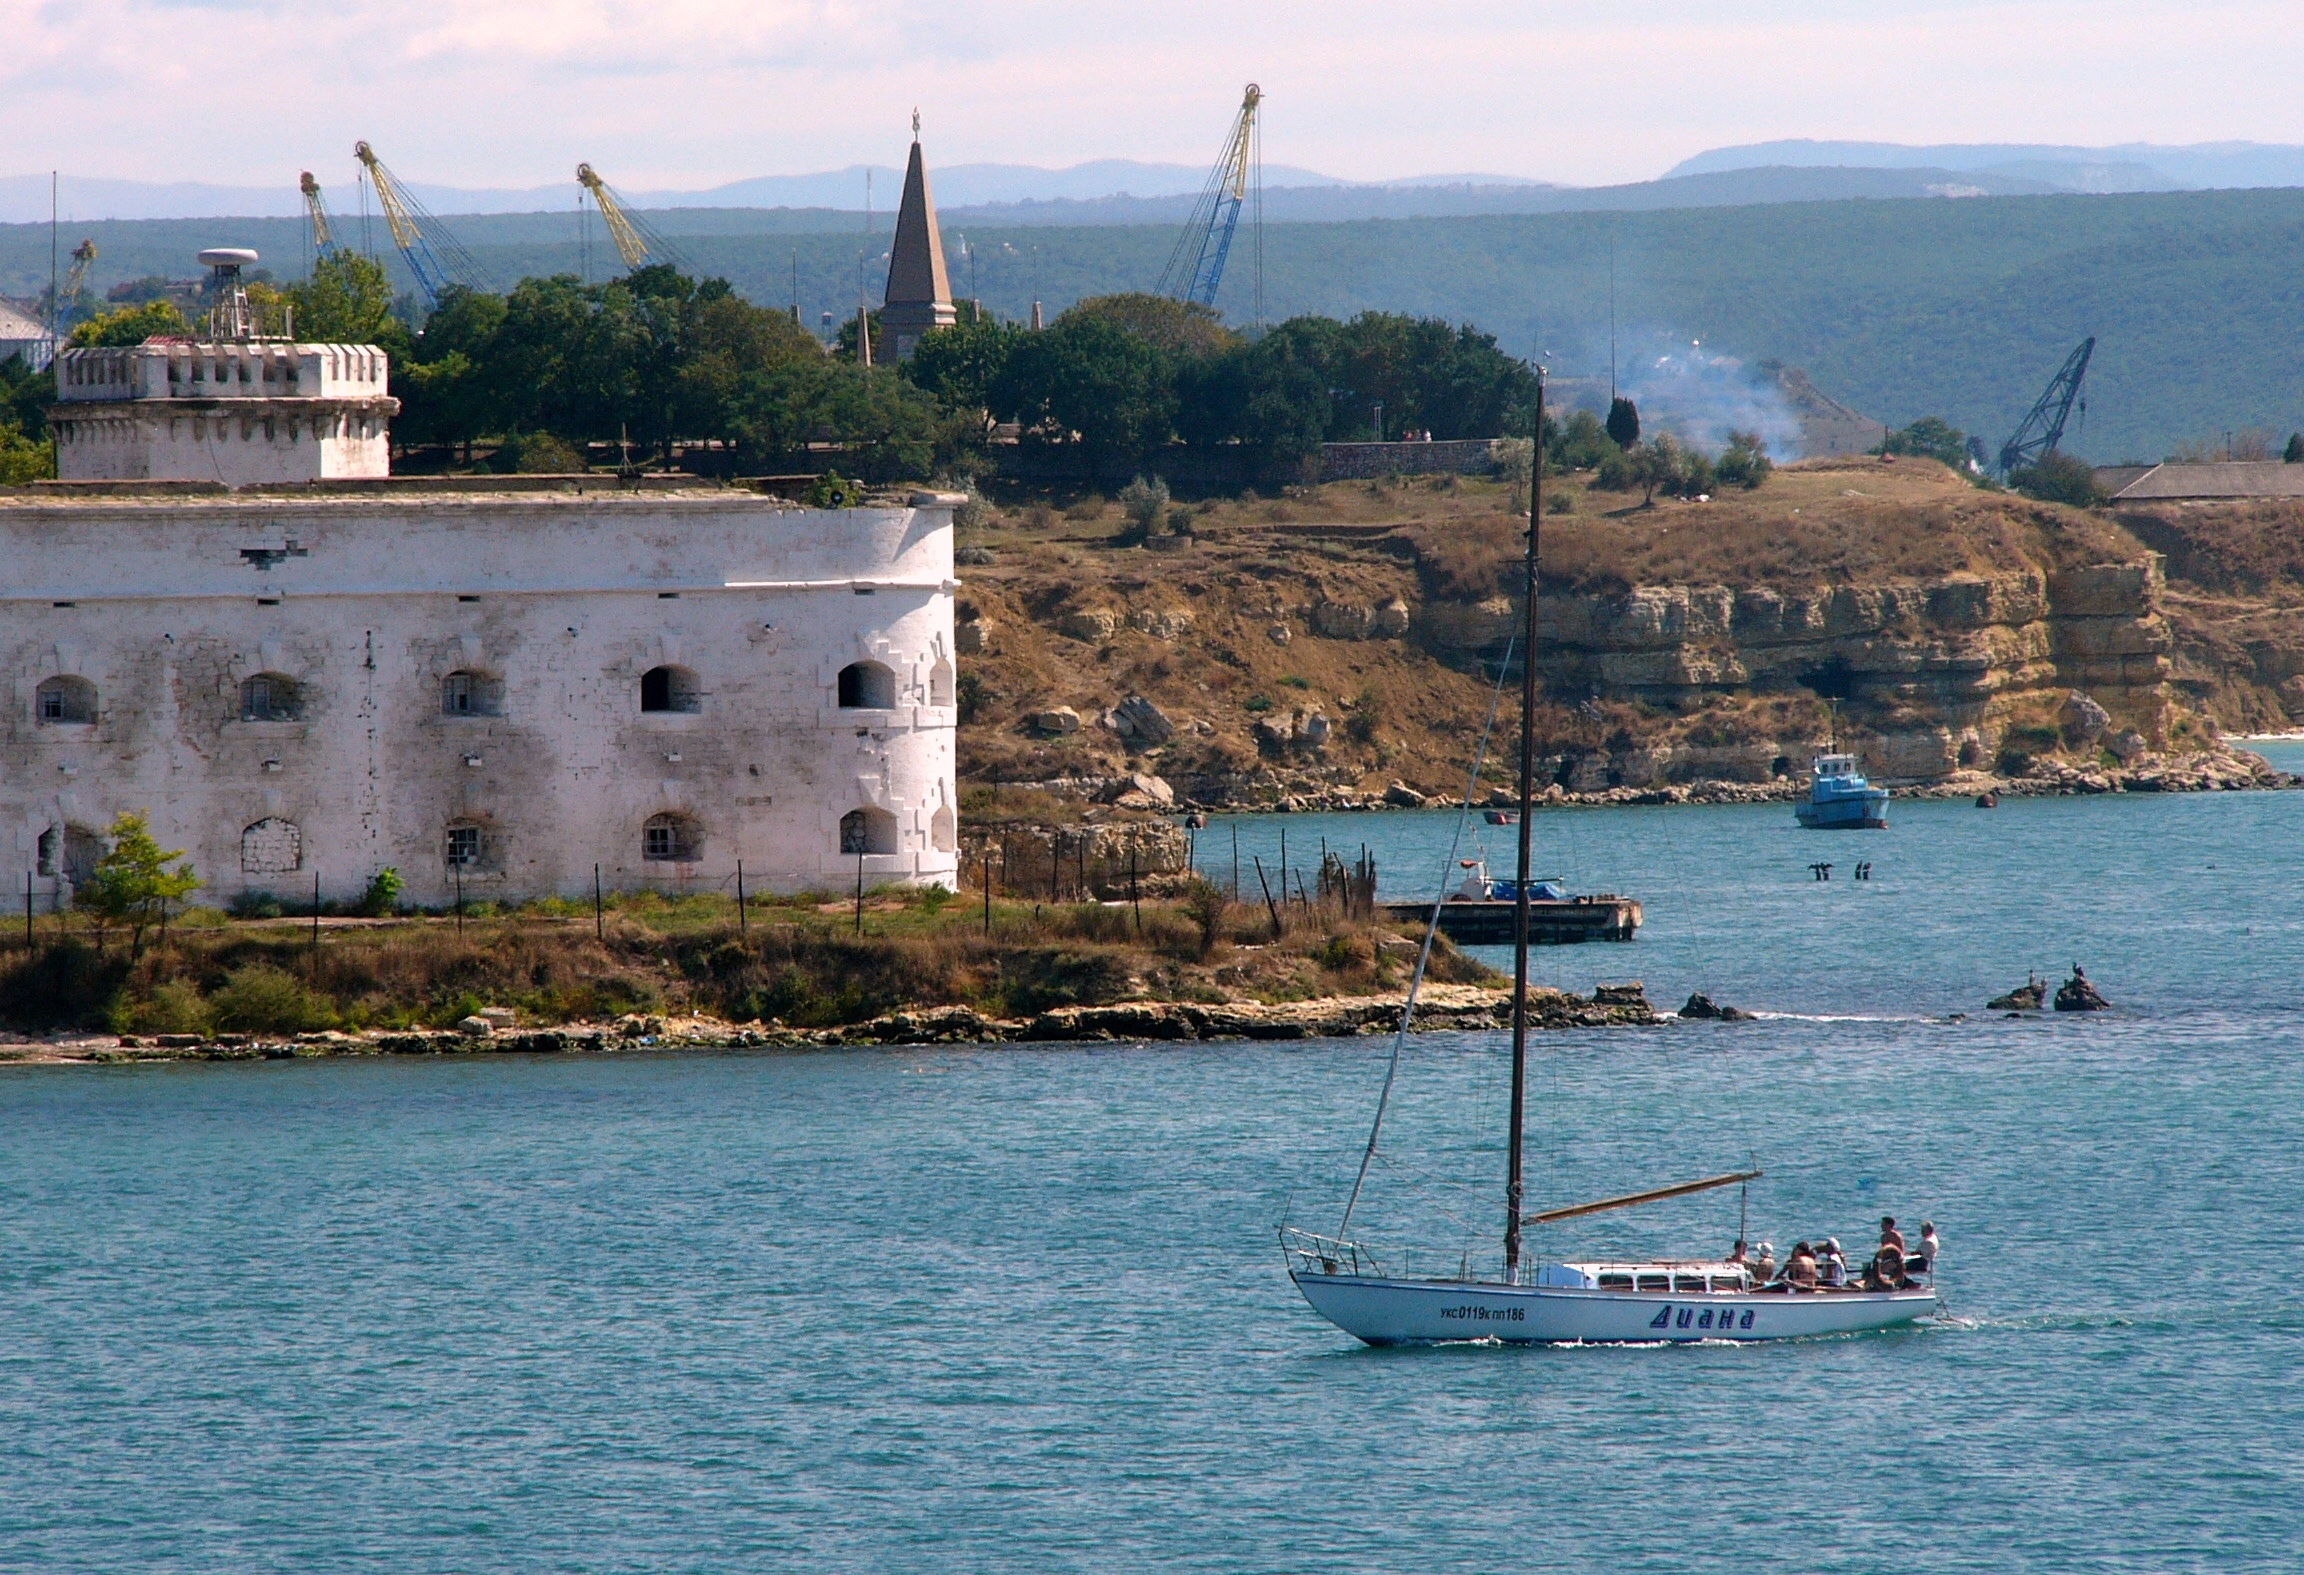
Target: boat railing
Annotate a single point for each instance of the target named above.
(1327, 1254)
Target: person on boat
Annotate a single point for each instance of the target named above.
(1925, 1261)
(1832, 1265)
(1763, 1263)
(1738, 1258)
(1800, 1272)
(1890, 1235)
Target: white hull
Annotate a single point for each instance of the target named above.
(1419, 1312)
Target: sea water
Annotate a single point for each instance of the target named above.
(1022, 1308)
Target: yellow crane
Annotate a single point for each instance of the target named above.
(434, 256)
(323, 233)
(60, 316)
(636, 240)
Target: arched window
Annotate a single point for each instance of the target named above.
(944, 830)
(868, 831)
(940, 683)
(867, 686)
(671, 839)
(272, 846)
(669, 689)
(69, 851)
(271, 697)
(466, 693)
(65, 699)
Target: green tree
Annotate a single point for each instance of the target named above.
(1084, 380)
(136, 880)
(347, 301)
(446, 393)
(1180, 330)
(2294, 452)
(1623, 422)
(1270, 396)
(961, 365)
(2058, 477)
(1744, 462)
(885, 428)
(1583, 443)
(1930, 437)
(130, 325)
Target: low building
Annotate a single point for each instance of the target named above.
(486, 688)
(2227, 479)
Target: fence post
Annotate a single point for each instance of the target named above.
(743, 931)
(599, 914)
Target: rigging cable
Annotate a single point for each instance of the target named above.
(1424, 955)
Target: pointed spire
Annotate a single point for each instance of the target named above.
(919, 293)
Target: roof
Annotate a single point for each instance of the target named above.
(16, 323)
(2266, 478)
(916, 273)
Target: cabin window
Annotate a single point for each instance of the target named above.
(1655, 1282)
(868, 831)
(65, 699)
(1615, 1282)
(1690, 1284)
(669, 689)
(867, 686)
(672, 839)
(270, 697)
(465, 847)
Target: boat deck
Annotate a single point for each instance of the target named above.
(1603, 916)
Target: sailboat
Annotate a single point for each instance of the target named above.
(1605, 1300)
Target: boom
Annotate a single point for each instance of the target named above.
(323, 233)
(636, 241)
(1195, 268)
(434, 256)
(2043, 426)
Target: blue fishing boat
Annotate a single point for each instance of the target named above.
(1840, 799)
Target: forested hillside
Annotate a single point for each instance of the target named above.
(1960, 308)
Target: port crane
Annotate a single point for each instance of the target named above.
(2043, 427)
(324, 243)
(1195, 268)
(434, 256)
(636, 240)
(83, 255)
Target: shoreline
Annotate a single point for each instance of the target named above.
(1442, 1007)
(2226, 772)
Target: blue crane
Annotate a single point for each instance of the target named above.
(2043, 426)
(434, 256)
(1196, 267)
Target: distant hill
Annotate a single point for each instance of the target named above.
(2130, 166)
(1894, 308)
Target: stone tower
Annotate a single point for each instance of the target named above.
(919, 293)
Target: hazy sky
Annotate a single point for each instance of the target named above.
(663, 93)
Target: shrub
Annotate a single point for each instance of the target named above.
(173, 1007)
(974, 512)
(2059, 478)
(1142, 501)
(1614, 473)
(258, 998)
(537, 454)
(1744, 462)
(1515, 462)
(832, 491)
(382, 895)
(65, 984)
(1090, 507)
(256, 905)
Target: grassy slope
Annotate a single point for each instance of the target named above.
(1900, 308)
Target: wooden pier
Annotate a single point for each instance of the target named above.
(1603, 916)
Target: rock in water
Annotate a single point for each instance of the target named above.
(1702, 1005)
(2076, 994)
(2026, 997)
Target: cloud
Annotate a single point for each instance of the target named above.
(693, 92)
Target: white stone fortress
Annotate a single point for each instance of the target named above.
(489, 685)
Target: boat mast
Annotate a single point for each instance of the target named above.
(1512, 1183)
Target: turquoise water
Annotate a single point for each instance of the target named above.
(1020, 1309)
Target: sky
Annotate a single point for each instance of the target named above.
(690, 93)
